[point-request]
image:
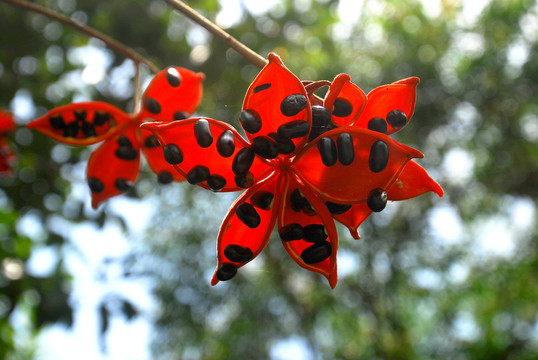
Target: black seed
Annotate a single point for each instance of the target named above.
(285, 146)
(262, 200)
(245, 180)
(315, 233)
(379, 156)
(261, 87)
(57, 122)
(216, 182)
(80, 115)
(96, 185)
(317, 131)
(125, 150)
(397, 119)
(180, 115)
(124, 141)
(251, 121)
(202, 133)
(88, 130)
(293, 129)
(293, 104)
(173, 77)
(316, 253)
(198, 174)
(71, 129)
(151, 142)
(172, 154)
(152, 105)
(320, 116)
(377, 200)
(378, 124)
(342, 107)
(327, 150)
(100, 118)
(346, 152)
(238, 253)
(297, 200)
(123, 184)
(226, 144)
(291, 232)
(265, 147)
(308, 209)
(226, 271)
(248, 215)
(337, 209)
(165, 177)
(242, 161)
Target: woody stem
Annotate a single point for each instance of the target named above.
(112, 43)
(222, 35)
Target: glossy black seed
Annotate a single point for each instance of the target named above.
(216, 182)
(123, 184)
(88, 130)
(342, 107)
(173, 77)
(245, 180)
(151, 142)
(293, 129)
(337, 209)
(251, 121)
(96, 185)
(316, 253)
(297, 200)
(285, 146)
(377, 124)
(320, 116)
(308, 209)
(100, 118)
(152, 105)
(226, 271)
(125, 150)
(261, 87)
(314, 233)
(379, 156)
(377, 200)
(202, 133)
(80, 115)
(124, 141)
(248, 215)
(198, 174)
(242, 161)
(293, 104)
(71, 129)
(265, 147)
(317, 131)
(327, 150)
(397, 119)
(226, 144)
(346, 152)
(165, 177)
(57, 122)
(172, 154)
(180, 115)
(291, 232)
(262, 200)
(238, 253)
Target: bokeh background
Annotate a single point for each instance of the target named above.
(432, 278)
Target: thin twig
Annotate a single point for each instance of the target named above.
(137, 93)
(222, 35)
(112, 43)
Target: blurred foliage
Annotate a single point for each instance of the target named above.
(425, 280)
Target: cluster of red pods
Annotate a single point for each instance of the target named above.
(305, 162)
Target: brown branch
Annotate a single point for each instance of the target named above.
(112, 43)
(222, 35)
